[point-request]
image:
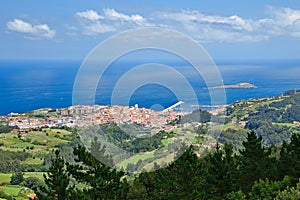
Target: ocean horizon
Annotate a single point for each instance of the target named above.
(32, 84)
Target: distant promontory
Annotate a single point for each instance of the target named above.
(238, 85)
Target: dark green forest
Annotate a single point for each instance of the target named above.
(256, 172)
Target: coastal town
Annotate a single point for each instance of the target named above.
(83, 115)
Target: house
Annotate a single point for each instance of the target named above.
(296, 123)
(22, 133)
(31, 196)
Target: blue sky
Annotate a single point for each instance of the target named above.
(229, 29)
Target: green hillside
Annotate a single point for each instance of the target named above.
(273, 118)
(30, 153)
(280, 109)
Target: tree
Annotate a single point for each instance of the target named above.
(284, 163)
(17, 178)
(221, 175)
(33, 182)
(253, 161)
(137, 191)
(290, 158)
(56, 181)
(290, 193)
(183, 179)
(230, 163)
(102, 181)
(266, 189)
(235, 195)
(215, 173)
(5, 129)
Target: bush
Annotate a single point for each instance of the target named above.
(235, 195)
(17, 178)
(32, 182)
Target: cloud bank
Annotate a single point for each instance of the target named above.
(199, 25)
(277, 22)
(33, 31)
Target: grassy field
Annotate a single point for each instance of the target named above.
(134, 159)
(167, 157)
(38, 175)
(164, 161)
(38, 144)
(223, 127)
(35, 142)
(36, 161)
(5, 178)
(14, 190)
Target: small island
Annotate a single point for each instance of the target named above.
(238, 85)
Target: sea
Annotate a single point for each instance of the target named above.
(26, 85)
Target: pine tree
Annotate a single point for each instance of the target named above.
(284, 163)
(17, 178)
(56, 181)
(103, 182)
(290, 158)
(291, 193)
(183, 179)
(231, 167)
(254, 161)
(221, 172)
(215, 173)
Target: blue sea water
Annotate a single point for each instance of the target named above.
(28, 85)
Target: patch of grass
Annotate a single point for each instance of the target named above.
(22, 145)
(285, 124)
(38, 175)
(12, 190)
(38, 141)
(134, 159)
(9, 139)
(31, 161)
(161, 161)
(5, 178)
(61, 133)
(224, 127)
(165, 142)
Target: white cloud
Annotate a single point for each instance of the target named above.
(34, 31)
(114, 15)
(70, 27)
(90, 15)
(97, 28)
(110, 20)
(207, 27)
(284, 16)
(92, 23)
(285, 21)
(197, 17)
